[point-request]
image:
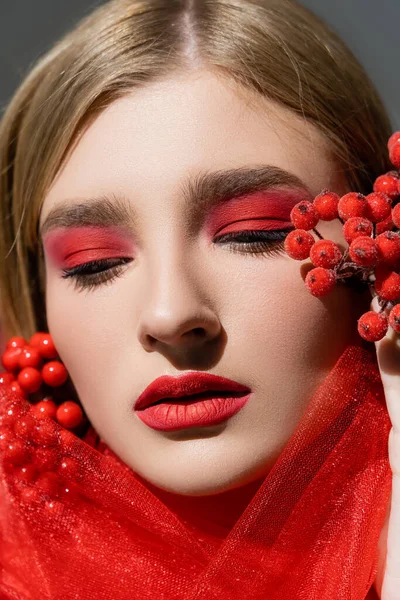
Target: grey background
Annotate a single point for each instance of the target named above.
(370, 29)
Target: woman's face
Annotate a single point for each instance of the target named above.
(179, 299)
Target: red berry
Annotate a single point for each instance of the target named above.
(44, 433)
(23, 427)
(48, 483)
(396, 215)
(17, 389)
(10, 359)
(326, 204)
(355, 227)
(54, 373)
(69, 414)
(325, 253)
(388, 184)
(388, 244)
(69, 468)
(29, 357)
(386, 225)
(363, 251)
(387, 283)
(394, 154)
(35, 339)
(46, 409)
(394, 318)
(372, 326)
(46, 346)
(320, 281)
(15, 342)
(395, 137)
(298, 244)
(6, 378)
(379, 206)
(304, 215)
(30, 380)
(352, 204)
(17, 452)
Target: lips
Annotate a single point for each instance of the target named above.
(191, 386)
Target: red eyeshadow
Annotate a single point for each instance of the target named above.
(71, 246)
(274, 205)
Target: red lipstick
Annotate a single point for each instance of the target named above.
(195, 399)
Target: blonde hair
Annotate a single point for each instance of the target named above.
(274, 47)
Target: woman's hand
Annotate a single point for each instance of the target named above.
(388, 354)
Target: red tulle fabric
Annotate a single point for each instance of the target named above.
(309, 532)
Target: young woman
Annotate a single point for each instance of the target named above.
(149, 164)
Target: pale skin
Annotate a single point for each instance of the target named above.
(123, 335)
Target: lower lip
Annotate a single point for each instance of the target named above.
(172, 415)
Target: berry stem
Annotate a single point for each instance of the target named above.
(318, 234)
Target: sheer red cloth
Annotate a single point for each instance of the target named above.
(310, 528)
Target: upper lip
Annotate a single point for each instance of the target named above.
(196, 382)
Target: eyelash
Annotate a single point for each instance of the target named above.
(103, 271)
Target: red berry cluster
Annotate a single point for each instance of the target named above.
(371, 227)
(31, 367)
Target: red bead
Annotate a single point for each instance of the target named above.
(30, 357)
(46, 409)
(10, 359)
(26, 473)
(29, 495)
(45, 459)
(35, 339)
(48, 483)
(45, 433)
(23, 427)
(6, 378)
(46, 346)
(15, 342)
(17, 452)
(16, 388)
(54, 373)
(30, 380)
(69, 468)
(69, 414)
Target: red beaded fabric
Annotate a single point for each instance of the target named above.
(77, 523)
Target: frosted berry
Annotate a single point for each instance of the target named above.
(394, 318)
(386, 225)
(298, 243)
(30, 380)
(387, 283)
(326, 204)
(69, 414)
(394, 154)
(325, 253)
(396, 215)
(379, 206)
(320, 281)
(15, 342)
(54, 373)
(363, 251)
(355, 227)
(352, 204)
(395, 137)
(304, 215)
(372, 326)
(388, 184)
(388, 244)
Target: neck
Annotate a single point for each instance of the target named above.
(213, 515)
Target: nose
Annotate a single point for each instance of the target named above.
(177, 311)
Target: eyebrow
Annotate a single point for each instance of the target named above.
(199, 192)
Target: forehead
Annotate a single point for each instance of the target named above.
(146, 143)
